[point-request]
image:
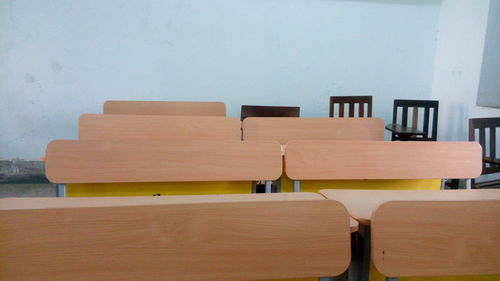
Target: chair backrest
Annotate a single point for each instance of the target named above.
(338, 160)
(88, 161)
(269, 111)
(486, 126)
(150, 127)
(427, 105)
(436, 238)
(183, 108)
(351, 101)
(223, 237)
(284, 130)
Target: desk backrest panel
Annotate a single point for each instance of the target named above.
(436, 238)
(182, 108)
(284, 130)
(199, 240)
(151, 127)
(161, 161)
(337, 160)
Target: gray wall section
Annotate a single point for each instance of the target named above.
(489, 84)
(19, 178)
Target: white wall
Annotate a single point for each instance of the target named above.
(59, 59)
(489, 83)
(459, 54)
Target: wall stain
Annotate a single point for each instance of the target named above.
(29, 78)
(56, 67)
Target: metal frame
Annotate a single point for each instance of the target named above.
(60, 190)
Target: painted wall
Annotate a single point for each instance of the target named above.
(459, 54)
(489, 83)
(59, 59)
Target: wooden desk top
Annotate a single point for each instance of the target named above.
(401, 130)
(361, 203)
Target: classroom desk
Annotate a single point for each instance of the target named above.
(407, 133)
(361, 203)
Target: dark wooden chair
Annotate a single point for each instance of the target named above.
(404, 132)
(491, 158)
(269, 111)
(351, 101)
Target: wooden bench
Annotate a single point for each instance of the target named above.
(218, 237)
(379, 164)
(150, 127)
(124, 168)
(284, 130)
(437, 238)
(183, 108)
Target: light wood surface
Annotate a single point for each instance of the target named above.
(229, 240)
(183, 108)
(94, 202)
(328, 160)
(284, 130)
(436, 238)
(361, 203)
(151, 127)
(161, 161)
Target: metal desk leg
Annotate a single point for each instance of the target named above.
(268, 186)
(359, 269)
(60, 190)
(254, 187)
(296, 186)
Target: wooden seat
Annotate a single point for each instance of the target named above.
(436, 238)
(189, 108)
(284, 130)
(351, 101)
(491, 159)
(269, 111)
(222, 237)
(150, 127)
(124, 166)
(415, 132)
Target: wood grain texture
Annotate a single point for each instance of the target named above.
(429, 238)
(185, 241)
(361, 203)
(151, 127)
(328, 160)
(182, 108)
(284, 130)
(161, 161)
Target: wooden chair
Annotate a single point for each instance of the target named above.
(183, 108)
(491, 160)
(269, 111)
(351, 101)
(402, 131)
(138, 167)
(151, 127)
(436, 238)
(284, 130)
(173, 238)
